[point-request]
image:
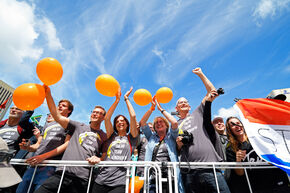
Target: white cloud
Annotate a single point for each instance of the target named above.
(48, 28)
(267, 8)
(225, 113)
(20, 31)
(17, 33)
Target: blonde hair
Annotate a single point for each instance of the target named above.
(165, 121)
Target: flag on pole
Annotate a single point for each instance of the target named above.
(267, 124)
(3, 105)
(36, 119)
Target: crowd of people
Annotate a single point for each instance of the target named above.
(193, 137)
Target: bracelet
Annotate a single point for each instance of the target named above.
(162, 111)
(126, 99)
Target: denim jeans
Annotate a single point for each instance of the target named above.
(203, 181)
(42, 173)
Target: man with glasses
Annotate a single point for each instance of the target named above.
(85, 144)
(200, 147)
(50, 145)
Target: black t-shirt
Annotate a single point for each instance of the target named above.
(260, 179)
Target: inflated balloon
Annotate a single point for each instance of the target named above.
(138, 184)
(29, 96)
(142, 97)
(164, 95)
(107, 85)
(49, 71)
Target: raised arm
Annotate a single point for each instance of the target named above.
(168, 116)
(108, 123)
(148, 113)
(133, 120)
(62, 120)
(207, 116)
(207, 83)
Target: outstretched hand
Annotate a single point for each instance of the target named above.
(197, 71)
(128, 93)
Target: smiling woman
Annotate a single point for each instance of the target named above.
(161, 145)
(117, 148)
(240, 149)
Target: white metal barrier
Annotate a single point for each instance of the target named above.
(156, 166)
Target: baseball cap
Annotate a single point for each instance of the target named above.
(8, 175)
(217, 119)
(281, 97)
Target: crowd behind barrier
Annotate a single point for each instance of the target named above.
(172, 166)
(174, 156)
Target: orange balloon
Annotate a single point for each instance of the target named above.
(49, 71)
(107, 85)
(164, 95)
(142, 97)
(138, 184)
(29, 96)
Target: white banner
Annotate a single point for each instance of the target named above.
(267, 124)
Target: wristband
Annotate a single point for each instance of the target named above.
(162, 111)
(126, 99)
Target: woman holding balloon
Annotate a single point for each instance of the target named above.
(161, 145)
(118, 147)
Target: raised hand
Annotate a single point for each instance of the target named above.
(211, 96)
(197, 71)
(128, 93)
(153, 103)
(158, 105)
(118, 94)
(46, 89)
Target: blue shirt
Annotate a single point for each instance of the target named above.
(170, 142)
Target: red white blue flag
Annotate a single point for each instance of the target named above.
(267, 124)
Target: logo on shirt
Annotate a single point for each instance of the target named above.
(119, 143)
(49, 128)
(84, 135)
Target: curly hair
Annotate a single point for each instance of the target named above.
(234, 142)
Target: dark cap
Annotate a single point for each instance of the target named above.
(281, 97)
(217, 119)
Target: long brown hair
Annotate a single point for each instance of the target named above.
(234, 142)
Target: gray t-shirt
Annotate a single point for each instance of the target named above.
(201, 150)
(118, 149)
(10, 135)
(53, 135)
(84, 143)
(162, 153)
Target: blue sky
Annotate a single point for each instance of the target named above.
(242, 46)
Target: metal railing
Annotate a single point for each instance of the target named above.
(155, 166)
